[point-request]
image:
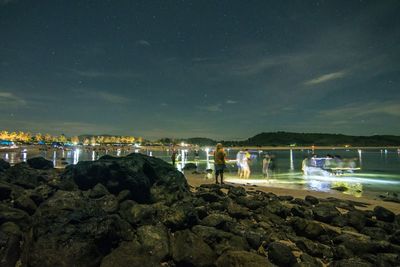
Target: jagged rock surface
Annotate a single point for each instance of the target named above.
(139, 211)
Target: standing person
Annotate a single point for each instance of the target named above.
(265, 167)
(239, 163)
(246, 164)
(219, 162)
(272, 164)
(173, 156)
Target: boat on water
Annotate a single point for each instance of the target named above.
(328, 166)
(8, 146)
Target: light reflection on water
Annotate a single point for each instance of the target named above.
(380, 168)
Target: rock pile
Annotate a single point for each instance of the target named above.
(139, 211)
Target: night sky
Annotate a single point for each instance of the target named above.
(223, 69)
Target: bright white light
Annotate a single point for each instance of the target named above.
(54, 158)
(291, 160)
(76, 156)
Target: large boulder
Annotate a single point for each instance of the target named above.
(40, 163)
(384, 214)
(11, 243)
(24, 176)
(4, 165)
(220, 241)
(70, 229)
(150, 249)
(147, 178)
(190, 250)
(5, 191)
(280, 254)
(325, 212)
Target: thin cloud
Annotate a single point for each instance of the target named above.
(102, 96)
(8, 99)
(143, 43)
(229, 101)
(211, 108)
(113, 98)
(103, 74)
(326, 77)
(364, 109)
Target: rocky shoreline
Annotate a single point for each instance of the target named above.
(140, 211)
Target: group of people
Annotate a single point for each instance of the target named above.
(243, 161)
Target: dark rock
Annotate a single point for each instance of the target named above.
(374, 232)
(357, 219)
(155, 241)
(325, 213)
(255, 237)
(300, 202)
(5, 191)
(190, 250)
(307, 228)
(250, 203)
(360, 245)
(10, 246)
(280, 254)
(4, 165)
(41, 193)
(17, 216)
(278, 208)
(209, 196)
(340, 221)
(237, 191)
(241, 258)
(137, 214)
(179, 216)
(219, 240)
(384, 214)
(70, 229)
(238, 211)
(190, 166)
(285, 198)
(395, 238)
(342, 252)
(387, 259)
(124, 195)
(40, 163)
(315, 249)
(308, 261)
(149, 179)
(25, 203)
(352, 262)
(130, 254)
(300, 211)
(312, 200)
(216, 220)
(107, 203)
(98, 191)
(22, 175)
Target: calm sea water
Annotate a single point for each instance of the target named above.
(380, 168)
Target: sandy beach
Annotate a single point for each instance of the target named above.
(195, 180)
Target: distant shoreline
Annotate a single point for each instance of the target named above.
(164, 148)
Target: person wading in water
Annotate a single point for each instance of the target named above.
(219, 162)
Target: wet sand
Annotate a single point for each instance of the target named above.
(196, 180)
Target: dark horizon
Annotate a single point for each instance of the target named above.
(217, 69)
